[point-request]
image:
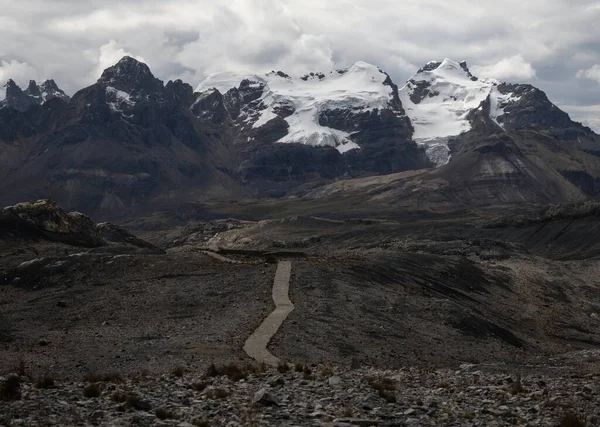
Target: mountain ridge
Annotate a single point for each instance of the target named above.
(130, 142)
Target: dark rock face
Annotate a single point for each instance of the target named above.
(16, 98)
(130, 143)
(383, 134)
(23, 101)
(123, 142)
(534, 110)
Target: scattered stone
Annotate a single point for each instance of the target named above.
(333, 381)
(264, 397)
(465, 399)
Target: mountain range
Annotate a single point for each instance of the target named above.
(131, 144)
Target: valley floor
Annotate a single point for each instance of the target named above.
(418, 321)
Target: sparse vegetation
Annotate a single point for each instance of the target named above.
(469, 416)
(386, 388)
(299, 367)
(517, 386)
(199, 386)
(231, 371)
(277, 383)
(217, 393)
(133, 401)
(307, 373)
(570, 419)
(327, 371)
(178, 372)
(201, 423)
(165, 414)
(119, 397)
(91, 391)
(283, 367)
(108, 377)
(10, 389)
(45, 382)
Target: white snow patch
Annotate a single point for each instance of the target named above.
(265, 117)
(121, 98)
(358, 88)
(2, 93)
(443, 113)
(498, 102)
(347, 147)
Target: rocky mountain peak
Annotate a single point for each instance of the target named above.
(446, 67)
(10, 83)
(32, 89)
(131, 74)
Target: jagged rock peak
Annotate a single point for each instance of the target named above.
(129, 73)
(447, 65)
(32, 89)
(10, 83)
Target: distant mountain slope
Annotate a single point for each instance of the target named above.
(291, 130)
(126, 141)
(11, 95)
(444, 100)
(130, 144)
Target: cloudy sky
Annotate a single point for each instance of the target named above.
(554, 45)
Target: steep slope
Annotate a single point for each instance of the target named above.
(444, 101)
(308, 104)
(11, 95)
(288, 127)
(438, 100)
(126, 141)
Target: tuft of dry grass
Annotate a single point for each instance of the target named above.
(386, 388)
(199, 386)
(107, 377)
(178, 372)
(517, 386)
(165, 414)
(307, 373)
(45, 382)
(217, 393)
(570, 419)
(283, 367)
(91, 391)
(231, 371)
(10, 389)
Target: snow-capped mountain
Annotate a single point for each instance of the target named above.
(11, 95)
(308, 103)
(129, 140)
(439, 99)
(444, 100)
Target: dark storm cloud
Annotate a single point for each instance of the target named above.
(553, 45)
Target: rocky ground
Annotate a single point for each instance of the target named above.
(302, 395)
(429, 320)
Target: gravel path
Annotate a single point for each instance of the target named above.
(256, 345)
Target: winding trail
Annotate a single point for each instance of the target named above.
(256, 344)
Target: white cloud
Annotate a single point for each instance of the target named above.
(73, 40)
(110, 54)
(20, 72)
(513, 68)
(592, 73)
